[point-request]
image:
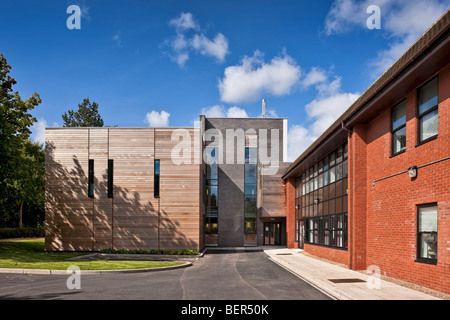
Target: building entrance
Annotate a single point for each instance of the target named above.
(272, 233)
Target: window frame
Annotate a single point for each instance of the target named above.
(393, 131)
(419, 233)
(421, 115)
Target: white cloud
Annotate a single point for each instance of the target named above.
(157, 119)
(403, 21)
(316, 75)
(214, 112)
(299, 138)
(329, 104)
(218, 111)
(38, 131)
(236, 112)
(183, 43)
(405, 24)
(184, 22)
(252, 78)
(215, 48)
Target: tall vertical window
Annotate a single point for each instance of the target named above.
(399, 128)
(250, 170)
(91, 179)
(427, 98)
(427, 233)
(110, 177)
(211, 190)
(156, 180)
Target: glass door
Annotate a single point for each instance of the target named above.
(272, 233)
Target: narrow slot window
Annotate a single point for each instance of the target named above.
(156, 180)
(91, 179)
(110, 177)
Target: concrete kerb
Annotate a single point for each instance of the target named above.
(104, 256)
(90, 272)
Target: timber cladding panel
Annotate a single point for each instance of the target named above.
(69, 211)
(133, 218)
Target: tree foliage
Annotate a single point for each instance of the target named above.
(21, 161)
(86, 116)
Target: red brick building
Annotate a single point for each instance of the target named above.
(374, 189)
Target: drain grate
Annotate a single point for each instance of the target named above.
(284, 254)
(349, 280)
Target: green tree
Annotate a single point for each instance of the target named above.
(86, 116)
(15, 123)
(29, 184)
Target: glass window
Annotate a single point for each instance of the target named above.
(211, 190)
(428, 125)
(91, 178)
(332, 159)
(110, 177)
(399, 115)
(211, 224)
(156, 180)
(428, 96)
(320, 166)
(339, 155)
(428, 110)
(250, 173)
(399, 128)
(251, 155)
(339, 171)
(345, 169)
(212, 198)
(325, 164)
(427, 233)
(332, 174)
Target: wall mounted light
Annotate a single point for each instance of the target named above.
(412, 172)
(316, 201)
(297, 207)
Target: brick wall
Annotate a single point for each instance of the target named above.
(391, 204)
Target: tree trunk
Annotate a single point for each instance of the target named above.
(20, 215)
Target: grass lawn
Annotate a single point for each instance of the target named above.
(30, 254)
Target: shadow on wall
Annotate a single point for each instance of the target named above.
(129, 220)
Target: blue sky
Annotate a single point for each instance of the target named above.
(162, 63)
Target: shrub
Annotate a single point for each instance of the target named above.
(9, 233)
(153, 251)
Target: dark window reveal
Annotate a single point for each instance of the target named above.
(156, 180)
(110, 177)
(91, 179)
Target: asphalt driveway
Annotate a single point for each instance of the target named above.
(219, 275)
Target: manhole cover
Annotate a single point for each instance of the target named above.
(350, 280)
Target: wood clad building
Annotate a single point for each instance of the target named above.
(100, 190)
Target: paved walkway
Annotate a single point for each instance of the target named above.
(344, 285)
